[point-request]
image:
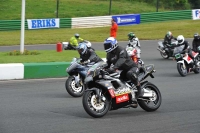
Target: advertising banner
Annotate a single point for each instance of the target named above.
(128, 19)
(196, 14)
(43, 23)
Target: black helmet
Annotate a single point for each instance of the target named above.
(131, 35)
(196, 36)
(77, 35)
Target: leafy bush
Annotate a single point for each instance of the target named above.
(26, 52)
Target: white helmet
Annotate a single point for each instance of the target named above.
(180, 39)
(88, 44)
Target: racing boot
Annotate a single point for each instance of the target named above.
(134, 102)
(140, 91)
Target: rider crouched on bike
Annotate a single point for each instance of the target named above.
(87, 56)
(187, 49)
(135, 43)
(73, 42)
(196, 42)
(118, 56)
(168, 39)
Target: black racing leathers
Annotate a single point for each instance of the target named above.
(195, 44)
(168, 40)
(186, 49)
(90, 55)
(121, 61)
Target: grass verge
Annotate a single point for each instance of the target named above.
(43, 56)
(148, 31)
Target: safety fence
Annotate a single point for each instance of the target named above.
(100, 21)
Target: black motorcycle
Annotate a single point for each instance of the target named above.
(166, 50)
(107, 92)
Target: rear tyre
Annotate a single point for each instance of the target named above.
(151, 104)
(164, 55)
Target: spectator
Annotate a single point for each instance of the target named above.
(113, 29)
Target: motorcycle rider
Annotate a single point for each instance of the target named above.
(135, 43)
(87, 56)
(118, 56)
(168, 39)
(187, 49)
(196, 42)
(73, 42)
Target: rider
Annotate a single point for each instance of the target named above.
(181, 41)
(118, 56)
(196, 42)
(87, 56)
(75, 40)
(134, 42)
(168, 39)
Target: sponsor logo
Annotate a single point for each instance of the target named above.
(112, 93)
(122, 98)
(197, 12)
(121, 91)
(120, 20)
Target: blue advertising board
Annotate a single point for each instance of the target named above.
(129, 19)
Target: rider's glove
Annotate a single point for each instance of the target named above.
(85, 62)
(110, 70)
(140, 61)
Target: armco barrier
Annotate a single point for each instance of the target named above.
(45, 70)
(89, 22)
(34, 70)
(166, 16)
(103, 20)
(6, 25)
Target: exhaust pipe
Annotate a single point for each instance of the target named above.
(161, 50)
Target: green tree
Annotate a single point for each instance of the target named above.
(195, 4)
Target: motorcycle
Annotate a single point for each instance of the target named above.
(67, 46)
(74, 83)
(185, 64)
(132, 52)
(106, 92)
(166, 51)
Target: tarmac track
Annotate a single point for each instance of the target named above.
(44, 106)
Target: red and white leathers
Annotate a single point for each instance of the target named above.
(136, 44)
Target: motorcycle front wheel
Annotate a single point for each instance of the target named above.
(153, 103)
(182, 71)
(72, 89)
(92, 106)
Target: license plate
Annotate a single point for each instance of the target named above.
(177, 56)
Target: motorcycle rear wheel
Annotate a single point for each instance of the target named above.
(156, 100)
(183, 72)
(92, 107)
(72, 89)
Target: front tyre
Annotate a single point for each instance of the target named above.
(72, 89)
(92, 106)
(182, 71)
(153, 103)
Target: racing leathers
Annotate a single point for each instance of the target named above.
(87, 57)
(121, 61)
(167, 41)
(196, 44)
(136, 44)
(74, 41)
(186, 49)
